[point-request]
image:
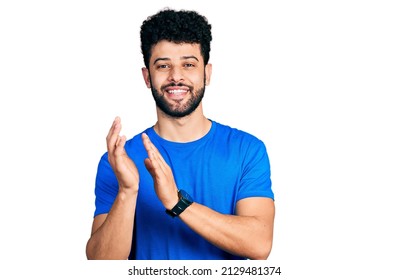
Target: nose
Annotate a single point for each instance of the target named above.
(175, 75)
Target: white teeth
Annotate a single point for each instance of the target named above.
(177, 91)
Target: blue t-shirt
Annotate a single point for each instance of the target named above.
(217, 170)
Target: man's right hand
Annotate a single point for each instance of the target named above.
(125, 170)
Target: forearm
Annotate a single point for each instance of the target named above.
(249, 233)
(113, 239)
(247, 236)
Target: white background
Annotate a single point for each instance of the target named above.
(322, 83)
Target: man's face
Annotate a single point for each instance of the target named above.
(177, 77)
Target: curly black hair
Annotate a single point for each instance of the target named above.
(178, 27)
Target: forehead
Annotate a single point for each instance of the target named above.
(174, 51)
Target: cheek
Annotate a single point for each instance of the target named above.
(156, 81)
(197, 78)
(199, 81)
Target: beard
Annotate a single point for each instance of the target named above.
(178, 110)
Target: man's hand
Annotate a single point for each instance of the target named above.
(164, 183)
(124, 168)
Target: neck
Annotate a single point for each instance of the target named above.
(185, 129)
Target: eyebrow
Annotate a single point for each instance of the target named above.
(183, 58)
(189, 56)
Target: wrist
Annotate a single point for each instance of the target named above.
(172, 200)
(127, 192)
(184, 201)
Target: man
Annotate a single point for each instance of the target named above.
(188, 187)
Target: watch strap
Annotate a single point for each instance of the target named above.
(181, 205)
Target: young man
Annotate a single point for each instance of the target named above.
(188, 187)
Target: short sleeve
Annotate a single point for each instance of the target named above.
(106, 187)
(256, 172)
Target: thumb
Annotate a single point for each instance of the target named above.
(120, 146)
(149, 165)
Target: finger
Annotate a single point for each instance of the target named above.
(154, 155)
(112, 137)
(150, 146)
(153, 167)
(146, 142)
(112, 128)
(149, 166)
(120, 146)
(155, 160)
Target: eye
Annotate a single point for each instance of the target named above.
(163, 67)
(189, 65)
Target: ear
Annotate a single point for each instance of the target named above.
(146, 77)
(208, 71)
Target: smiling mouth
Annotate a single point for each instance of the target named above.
(177, 92)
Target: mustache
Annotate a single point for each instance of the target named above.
(176, 85)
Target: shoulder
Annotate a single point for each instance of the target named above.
(235, 135)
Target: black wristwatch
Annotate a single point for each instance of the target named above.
(185, 200)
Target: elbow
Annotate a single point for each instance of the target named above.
(97, 256)
(93, 252)
(89, 251)
(261, 251)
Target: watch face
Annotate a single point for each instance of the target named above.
(186, 197)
